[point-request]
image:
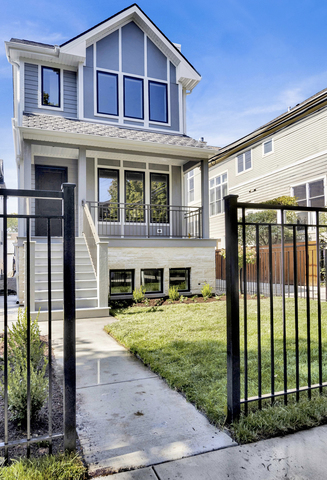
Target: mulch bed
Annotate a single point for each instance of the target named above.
(40, 425)
(155, 302)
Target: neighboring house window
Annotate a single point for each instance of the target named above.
(152, 280)
(107, 93)
(133, 98)
(244, 161)
(108, 194)
(190, 185)
(217, 192)
(134, 196)
(121, 282)
(50, 87)
(180, 278)
(310, 194)
(268, 147)
(159, 197)
(158, 106)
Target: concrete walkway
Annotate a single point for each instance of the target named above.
(127, 417)
(301, 456)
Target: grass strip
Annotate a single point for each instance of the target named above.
(59, 467)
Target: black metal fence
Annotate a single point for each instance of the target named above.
(69, 386)
(276, 340)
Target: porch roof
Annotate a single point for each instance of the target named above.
(56, 123)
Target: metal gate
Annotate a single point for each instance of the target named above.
(66, 195)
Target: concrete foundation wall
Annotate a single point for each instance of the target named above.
(201, 261)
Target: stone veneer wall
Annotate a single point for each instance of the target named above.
(200, 260)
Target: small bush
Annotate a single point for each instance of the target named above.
(194, 298)
(138, 294)
(182, 298)
(17, 379)
(60, 467)
(173, 293)
(206, 291)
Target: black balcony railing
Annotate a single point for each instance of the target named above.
(146, 220)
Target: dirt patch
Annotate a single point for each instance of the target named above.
(39, 426)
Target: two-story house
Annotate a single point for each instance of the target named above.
(287, 156)
(106, 110)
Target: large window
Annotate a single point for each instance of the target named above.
(134, 196)
(159, 198)
(50, 87)
(152, 280)
(158, 106)
(133, 97)
(217, 192)
(121, 282)
(107, 93)
(310, 194)
(244, 161)
(180, 278)
(108, 194)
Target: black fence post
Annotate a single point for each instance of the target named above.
(69, 319)
(232, 304)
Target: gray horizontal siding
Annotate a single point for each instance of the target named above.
(31, 89)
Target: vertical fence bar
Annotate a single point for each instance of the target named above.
(296, 314)
(232, 305)
(69, 320)
(28, 346)
(284, 305)
(319, 300)
(308, 308)
(49, 339)
(5, 314)
(245, 291)
(257, 246)
(272, 348)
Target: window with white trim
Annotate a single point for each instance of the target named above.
(50, 79)
(217, 191)
(244, 161)
(310, 194)
(190, 186)
(267, 147)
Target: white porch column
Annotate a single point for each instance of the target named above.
(102, 274)
(205, 198)
(81, 187)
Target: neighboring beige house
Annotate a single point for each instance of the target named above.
(287, 156)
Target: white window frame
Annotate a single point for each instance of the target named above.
(311, 215)
(243, 155)
(272, 147)
(122, 120)
(214, 188)
(61, 88)
(190, 175)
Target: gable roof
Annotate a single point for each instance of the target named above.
(293, 115)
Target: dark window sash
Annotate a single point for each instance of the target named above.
(151, 82)
(99, 72)
(43, 69)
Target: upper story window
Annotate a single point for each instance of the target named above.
(217, 192)
(133, 98)
(107, 93)
(158, 103)
(50, 78)
(267, 147)
(244, 161)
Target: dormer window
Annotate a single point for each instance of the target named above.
(50, 87)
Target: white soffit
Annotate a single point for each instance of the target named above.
(50, 151)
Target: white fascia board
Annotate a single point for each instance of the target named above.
(112, 142)
(187, 76)
(16, 51)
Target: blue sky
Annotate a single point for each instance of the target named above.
(256, 57)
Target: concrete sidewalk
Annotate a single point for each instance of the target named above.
(127, 417)
(301, 456)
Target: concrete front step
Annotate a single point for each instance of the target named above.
(41, 261)
(80, 313)
(58, 284)
(56, 268)
(57, 304)
(58, 276)
(58, 294)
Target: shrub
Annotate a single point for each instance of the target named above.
(173, 293)
(17, 379)
(138, 295)
(206, 291)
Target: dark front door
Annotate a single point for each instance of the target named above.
(49, 178)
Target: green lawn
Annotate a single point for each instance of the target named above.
(186, 344)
